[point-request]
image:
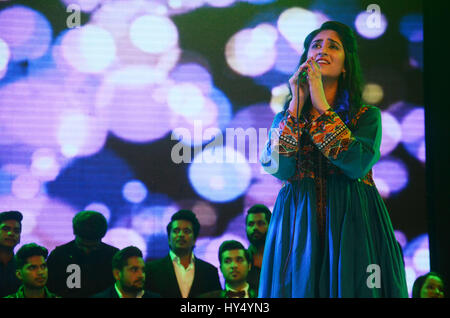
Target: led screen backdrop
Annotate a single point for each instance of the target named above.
(139, 108)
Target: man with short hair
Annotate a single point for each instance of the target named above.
(257, 222)
(128, 271)
(235, 264)
(82, 267)
(10, 230)
(32, 272)
(180, 274)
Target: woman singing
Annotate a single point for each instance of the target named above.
(330, 234)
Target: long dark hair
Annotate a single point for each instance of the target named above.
(352, 82)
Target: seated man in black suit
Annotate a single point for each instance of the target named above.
(128, 271)
(180, 274)
(235, 264)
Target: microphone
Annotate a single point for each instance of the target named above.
(303, 77)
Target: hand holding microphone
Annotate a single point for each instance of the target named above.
(303, 77)
(299, 88)
(309, 67)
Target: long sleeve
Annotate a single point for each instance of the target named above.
(279, 154)
(354, 152)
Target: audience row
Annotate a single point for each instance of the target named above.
(88, 267)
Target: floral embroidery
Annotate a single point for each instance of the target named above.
(358, 115)
(284, 139)
(328, 133)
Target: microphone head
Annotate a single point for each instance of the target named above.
(303, 77)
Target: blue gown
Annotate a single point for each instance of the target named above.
(330, 234)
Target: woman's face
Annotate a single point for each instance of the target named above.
(432, 288)
(328, 51)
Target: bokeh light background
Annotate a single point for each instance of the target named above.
(92, 117)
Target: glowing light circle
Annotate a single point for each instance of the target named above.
(80, 135)
(27, 32)
(135, 191)
(279, 97)
(186, 99)
(89, 49)
(413, 125)
(220, 181)
(392, 133)
(193, 73)
(373, 93)
(44, 164)
(295, 24)
(252, 52)
(153, 34)
(393, 172)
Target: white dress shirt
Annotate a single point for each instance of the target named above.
(185, 276)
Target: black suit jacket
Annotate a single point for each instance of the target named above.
(95, 270)
(112, 293)
(161, 278)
